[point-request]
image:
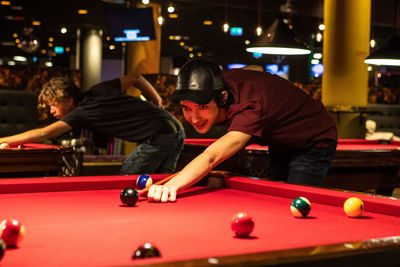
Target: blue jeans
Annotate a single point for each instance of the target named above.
(305, 166)
(156, 155)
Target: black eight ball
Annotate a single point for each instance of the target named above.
(129, 196)
(146, 251)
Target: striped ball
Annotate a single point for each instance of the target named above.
(144, 181)
(300, 207)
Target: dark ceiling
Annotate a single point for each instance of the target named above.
(211, 41)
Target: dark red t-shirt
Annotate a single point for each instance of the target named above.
(276, 112)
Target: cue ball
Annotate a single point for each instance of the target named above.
(129, 196)
(12, 232)
(300, 207)
(242, 224)
(4, 146)
(2, 248)
(144, 181)
(146, 251)
(353, 207)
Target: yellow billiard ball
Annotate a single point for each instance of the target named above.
(353, 207)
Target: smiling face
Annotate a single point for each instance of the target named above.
(202, 117)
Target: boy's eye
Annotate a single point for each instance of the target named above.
(203, 106)
(185, 108)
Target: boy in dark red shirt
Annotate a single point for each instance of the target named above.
(256, 107)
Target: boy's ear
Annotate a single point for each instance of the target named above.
(70, 101)
(224, 97)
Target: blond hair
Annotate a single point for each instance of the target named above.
(57, 90)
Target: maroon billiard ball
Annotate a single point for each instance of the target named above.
(242, 224)
(12, 232)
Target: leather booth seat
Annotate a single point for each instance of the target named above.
(18, 112)
(386, 116)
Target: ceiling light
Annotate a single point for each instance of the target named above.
(318, 37)
(388, 54)
(63, 30)
(279, 40)
(258, 31)
(20, 58)
(317, 55)
(160, 20)
(145, 2)
(372, 43)
(82, 11)
(225, 27)
(321, 27)
(314, 61)
(171, 9)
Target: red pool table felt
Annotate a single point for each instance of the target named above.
(80, 221)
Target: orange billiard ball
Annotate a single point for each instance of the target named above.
(242, 224)
(12, 232)
(353, 207)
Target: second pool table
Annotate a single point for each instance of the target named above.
(80, 221)
(359, 165)
(38, 160)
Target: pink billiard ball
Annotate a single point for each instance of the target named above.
(242, 224)
(12, 232)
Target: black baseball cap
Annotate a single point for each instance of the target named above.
(199, 81)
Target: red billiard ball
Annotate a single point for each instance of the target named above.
(12, 232)
(242, 224)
